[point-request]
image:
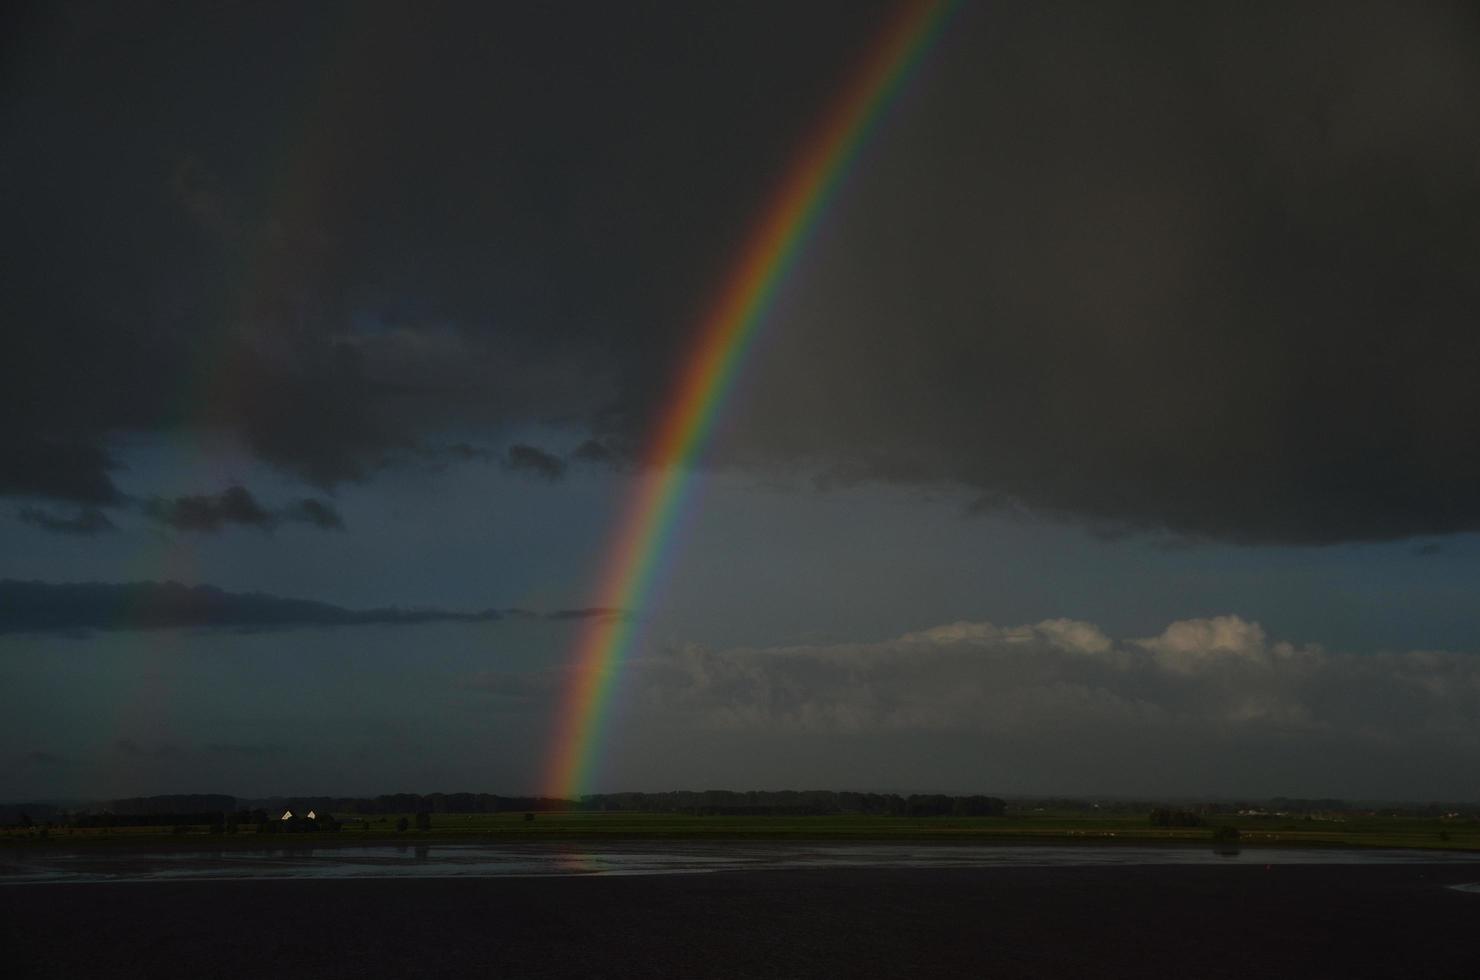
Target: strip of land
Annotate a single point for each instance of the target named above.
(1254, 830)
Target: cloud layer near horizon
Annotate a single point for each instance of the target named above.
(40, 607)
(1203, 707)
(1171, 267)
(1206, 706)
(1220, 673)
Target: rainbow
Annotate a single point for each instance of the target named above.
(724, 336)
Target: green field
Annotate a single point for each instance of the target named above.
(1016, 827)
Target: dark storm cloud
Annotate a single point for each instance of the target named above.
(531, 459)
(210, 512)
(237, 506)
(464, 451)
(215, 221)
(592, 451)
(1168, 266)
(71, 470)
(86, 521)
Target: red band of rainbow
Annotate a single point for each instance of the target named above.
(707, 375)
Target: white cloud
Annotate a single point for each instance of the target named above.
(1220, 675)
(1206, 706)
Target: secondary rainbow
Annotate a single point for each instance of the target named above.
(643, 533)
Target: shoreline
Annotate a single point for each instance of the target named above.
(420, 860)
(252, 841)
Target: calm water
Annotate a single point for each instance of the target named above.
(659, 858)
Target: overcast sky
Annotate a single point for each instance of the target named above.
(1116, 432)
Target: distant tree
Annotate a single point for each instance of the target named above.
(1225, 832)
(401, 825)
(423, 821)
(929, 805)
(1165, 817)
(978, 806)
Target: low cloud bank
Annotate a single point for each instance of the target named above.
(1205, 707)
(237, 506)
(33, 607)
(1222, 674)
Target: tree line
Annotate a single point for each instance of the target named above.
(715, 802)
(227, 811)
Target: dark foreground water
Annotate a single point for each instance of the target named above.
(145, 863)
(796, 911)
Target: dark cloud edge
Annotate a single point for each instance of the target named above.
(238, 506)
(204, 513)
(47, 607)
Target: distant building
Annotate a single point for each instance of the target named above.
(312, 815)
(287, 815)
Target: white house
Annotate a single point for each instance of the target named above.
(287, 815)
(312, 815)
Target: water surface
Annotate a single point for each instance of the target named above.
(444, 860)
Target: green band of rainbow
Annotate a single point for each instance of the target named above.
(724, 336)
